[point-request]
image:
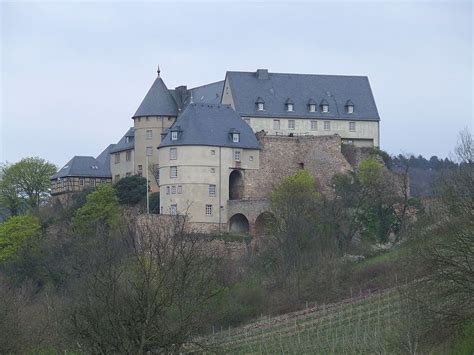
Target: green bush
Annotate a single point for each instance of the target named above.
(131, 190)
(15, 233)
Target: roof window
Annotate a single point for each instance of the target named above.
(324, 106)
(349, 106)
(311, 105)
(260, 104)
(290, 105)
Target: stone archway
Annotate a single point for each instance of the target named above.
(238, 223)
(263, 223)
(236, 185)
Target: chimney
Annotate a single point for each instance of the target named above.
(262, 74)
(181, 94)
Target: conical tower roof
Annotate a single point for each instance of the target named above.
(158, 101)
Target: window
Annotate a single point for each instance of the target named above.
(140, 167)
(116, 178)
(173, 190)
(173, 154)
(128, 173)
(213, 170)
(212, 190)
(117, 158)
(290, 107)
(81, 182)
(93, 181)
(350, 109)
(251, 157)
(149, 134)
(174, 209)
(208, 210)
(174, 136)
(167, 190)
(149, 151)
(314, 125)
(325, 108)
(276, 124)
(352, 126)
(127, 139)
(213, 152)
(260, 106)
(180, 189)
(237, 155)
(235, 137)
(327, 125)
(173, 171)
(291, 124)
(312, 107)
(128, 155)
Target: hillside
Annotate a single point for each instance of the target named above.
(364, 324)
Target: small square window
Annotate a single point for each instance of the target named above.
(174, 209)
(212, 190)
(314, 125)
(327, 125)
(235, 137)
(350, 109)
(291, 124)
(81, 182)
(149, 134)
(173, 172)
(180, 189)
(325, 108)
(260, 106)
(149, 151)
(213, 170)
(173, 154)
(237, 155)
(117, 158)
(167, 190)
(129, 173)
(173, 190)
(290, 107)
(128, 155)
(174, 136)
(352, 126)
(312, 108)
(213, 152)
(92, 182)
(251, 157)
(276, 124)
(208, 210)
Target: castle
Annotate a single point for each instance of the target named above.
(216, 152)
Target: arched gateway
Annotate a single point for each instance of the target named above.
(238, 223)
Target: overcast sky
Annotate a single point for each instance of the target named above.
(73, 73)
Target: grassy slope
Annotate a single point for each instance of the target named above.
(360, 325)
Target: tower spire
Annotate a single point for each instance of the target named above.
(158, 71)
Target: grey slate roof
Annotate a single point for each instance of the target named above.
(104, 158)
(83, 166)
(157, 102)
(246, 88)
(127, 142)
(210, 93)
(211, 125)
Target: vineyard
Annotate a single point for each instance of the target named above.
(365, 324)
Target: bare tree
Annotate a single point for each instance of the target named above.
(154, 296)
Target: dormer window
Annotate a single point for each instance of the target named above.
(175, 133)
(349, 107)
(324, 106)
(311, 105)
(260, 104)
(234, 135)
(289, 105)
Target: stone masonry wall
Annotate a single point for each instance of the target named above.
(282, 156)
